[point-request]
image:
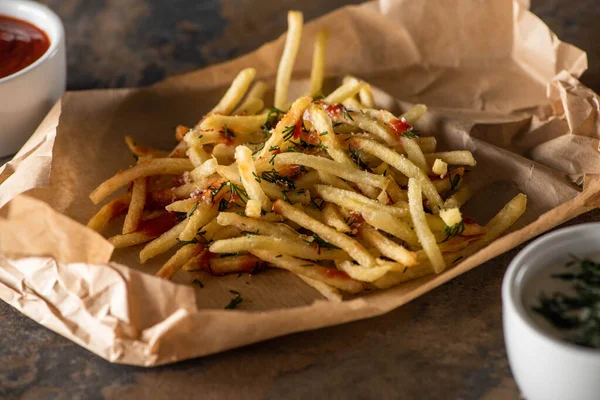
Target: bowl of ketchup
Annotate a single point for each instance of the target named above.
(32, 69)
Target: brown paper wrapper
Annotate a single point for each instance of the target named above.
(498, 83)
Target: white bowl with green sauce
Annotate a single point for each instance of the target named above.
(551, 315)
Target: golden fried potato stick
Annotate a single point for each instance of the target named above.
(276, 244)
(136, 206)
(331, 167)
(344, 197)
(250, 179)
(426, 237)
(456, 157)
(109, 211)
(332, 277)
(236, 92)
(162, 243)
(393, 226)
(317, 73)
(139, 150)
(346, 243)
(346, 90)
(259, 226)
(254, 100)
(414, 114)
(288, 58)
(328, 291)
(331, 217)
(290, 119)
(156, 166)
(387, 247)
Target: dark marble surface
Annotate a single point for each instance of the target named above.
(445, 345)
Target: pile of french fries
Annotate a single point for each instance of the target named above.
(346, 196)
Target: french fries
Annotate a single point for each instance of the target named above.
(156, 166)
(317, 73)
(345, 196)
(288, 58)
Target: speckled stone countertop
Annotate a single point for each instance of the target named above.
(445, 345)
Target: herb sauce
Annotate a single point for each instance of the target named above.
(565, 300)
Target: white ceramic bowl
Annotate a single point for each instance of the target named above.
(27, 95)
(547, 368)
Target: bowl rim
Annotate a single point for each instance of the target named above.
(512, 290)
(54, 44)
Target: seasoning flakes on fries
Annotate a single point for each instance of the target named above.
(345, 196)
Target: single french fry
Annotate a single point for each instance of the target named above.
(288, 58)
(250, 107)
(426, 237)
(139, 150)
(332, 277)
(234, 264)
(349, 245)
(274, 192)
(414, 114)
(149, 229)
(366, 96)
(394, 226)
(249, 177)
(237, 124)
(276, 244)
(185, 205)
(162, 243)
(179, 151)
(197, 155)
(130, 239)
(332, 218)
(253, 209)
(156, 166)
(329, 166)
(457, 157)
(459, 198)
(341, 197)
(363, 274)
(333, 180)
(387, 247)
(177, 260)
(317, 72)
(204, 212)
(205, 170)
(258, 226)
(109, 211)
(505, 218)
(394, 278)
(136, 206)
(329, 292)
(236, 91)
(254, 100)
(346, 90)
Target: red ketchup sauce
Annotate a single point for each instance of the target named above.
(21, 44)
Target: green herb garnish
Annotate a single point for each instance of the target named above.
(275, 177)
(346, 113)
(579, 312)
(411, 134)
(198, 282)
(228, 132)
(237, 299)
(189, 214)
(454, 230)
(288, 132)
